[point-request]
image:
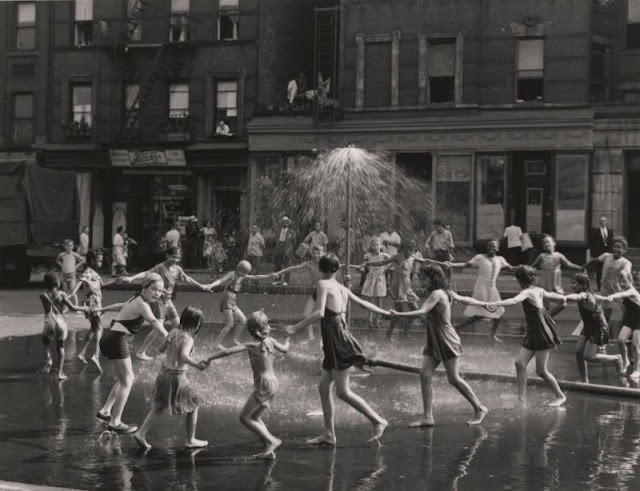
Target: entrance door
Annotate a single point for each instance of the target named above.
(532, 192)
(633, 205)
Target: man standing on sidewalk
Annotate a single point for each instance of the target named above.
(599, 243)
(255, 248)
(284, 249)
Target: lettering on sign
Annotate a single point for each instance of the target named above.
(147, 158)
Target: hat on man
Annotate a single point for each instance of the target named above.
(286, 220)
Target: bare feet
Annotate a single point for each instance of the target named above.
(142, 442)
(326, 440)
(496, 339)
(378, 431)
(625, 366)
(62, 376)
(94, 359)
(269, 451)
(195, 443)
(635, 374)
(423, 423)
(82, 358)
(557, 402)
(619, 365)
(478, 416)
(46, 368)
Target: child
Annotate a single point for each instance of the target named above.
(55, 328)
(92, 281)
(232, 282)
(69, 261)
(595, 331)
(443, 345)
(489, 266)
(311, 266)
(550, 264)
(630, 322)
(219, 256)
(265, 383)
(541, 335)
(375, 283)
(172, 392)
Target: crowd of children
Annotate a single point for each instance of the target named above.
(327, 305)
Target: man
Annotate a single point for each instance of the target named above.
(513, 234)
(172, 237)
(390, 242)
(599, 243)
(317, 237)
(255, 248)
(284, 249)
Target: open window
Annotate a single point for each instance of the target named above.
(26, 25)
(530, 70)
(83, 26)
(228, 14)
(179, 21)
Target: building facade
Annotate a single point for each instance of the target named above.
(147, 101)
(511, 112)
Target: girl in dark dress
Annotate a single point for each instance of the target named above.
(541, 334)
(443, 344)
(340, 348)
(595, 332)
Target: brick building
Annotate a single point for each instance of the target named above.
(523, 112)
(129, 94)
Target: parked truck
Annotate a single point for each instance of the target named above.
(38, 210)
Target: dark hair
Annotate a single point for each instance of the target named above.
(120, 229)
(256, 322)
(526, 275)
(437, 221)
(437, 279)
(329, 263)
(92, 258)
(173, 250)
(191, 319)
(51, 280)
(582, 279)
(620, 240)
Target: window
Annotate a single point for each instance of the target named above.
(26, 26)
(84, 23)
(633, 24)
(453, 193)
(530, 83)
(377, 74)
(228, 11)
(134, 22)
(179, 21)
(227, 104)
(599, 73)
(23, 118)
(441, 69)
(571, 210)
(81, 112)
(178, 107)
(132, 105)
(490, 186)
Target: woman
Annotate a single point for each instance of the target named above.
(208, 237)
(340, 348)
(115, 347)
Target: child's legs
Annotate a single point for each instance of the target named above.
(148, 421)
(542, 357)
(523, 359)
(309, 304)
(429, 366)
(635, 340)
(623, 337)
(240, 323)
(228, 324)
(454, 378)
(593, 355)
(399, 306)
(192, 422)
(580, 358)
(325, 387)
(124, 373)
(61, 356)
(251, 417)
(344, 392)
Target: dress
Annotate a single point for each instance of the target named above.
(375, 284)
(631, 317)
(551, 272)
(541, 332)
(340, 348)
(443, 342)
(484, 288)
(595, 325)
(612, 270)
(401, 290)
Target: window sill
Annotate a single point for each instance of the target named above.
(15, 53)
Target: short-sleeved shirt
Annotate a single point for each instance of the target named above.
(392, 250)
(172, 238)
(318, 238)
(170, 275)
(93, 282)
(440, 241)
(513, 233)
(255, 246)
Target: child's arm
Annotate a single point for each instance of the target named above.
(59, 260)
(164, 345)
(188, 279)
(220, 281)
(74, 307)
(519, 298)
(282, 347)
(137, 276)
(227, 352)
(576, 297)
(290, 268)
(629, 292)
(568, 264)
(431, 301)
(467, 300)
(147, 314)
(77, 287)
(536, 261)
(261, 276)
(316, 315)
(553, 296)
(79, 260)
(382, 262)
(448, 264)
(185, 357)
(114, 307)
(367, 305)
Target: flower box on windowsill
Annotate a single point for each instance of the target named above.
(76, 130)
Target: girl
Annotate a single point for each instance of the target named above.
(341, 350)
(208, 237)
(115, 347)
(541, 335)
(595, 332)
(311, 267)
(54, 301)
(550, 264)
(232, 283)
(489, 266)
(375, 283)
(443, 345)
(172, 391)
(630, 322)
(265, 383)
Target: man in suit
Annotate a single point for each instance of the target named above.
(599, 243)
(285, 244)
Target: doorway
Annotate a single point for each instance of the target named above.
(633, 205)
(532, 192)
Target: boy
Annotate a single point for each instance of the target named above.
(69, 262)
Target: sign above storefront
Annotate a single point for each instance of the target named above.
(147, 158)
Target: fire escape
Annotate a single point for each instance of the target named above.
(325, 77)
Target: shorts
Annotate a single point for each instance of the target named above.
(68, 281)
(114, 345)
(264, 390)
(228, 302)
(93, 302)
(164, 310)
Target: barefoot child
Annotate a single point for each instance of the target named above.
(69, 262)
(374, 287)
(55, 330)
(232, 282)
(595, 332)
(630, 323)
(340, 348)
(541, 335)
(172, 392)
(443, 345)
(311, 267)
(265, 384)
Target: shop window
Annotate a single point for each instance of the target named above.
(228, 14)
(227, 103)
(571, 210)
(453, 194)
(23, 118)
(134, 22)
(633, 24)
(178, 107)
(490, 195)
(530, 72)
(441, 69)
(419, 168)
(83, 27)
(599, 73)
(26, 26)
(132, 105)
(179, 21)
